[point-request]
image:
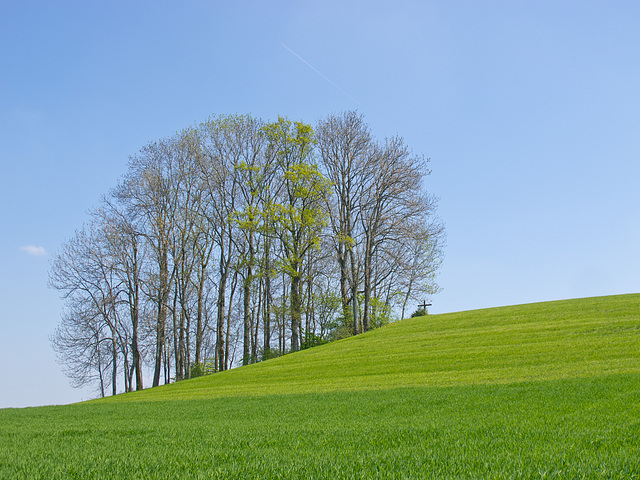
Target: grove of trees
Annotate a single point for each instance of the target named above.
(238, 240)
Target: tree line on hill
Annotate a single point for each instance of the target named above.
(244, 239)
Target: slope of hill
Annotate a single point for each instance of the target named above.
(552, 340)
(548, 390)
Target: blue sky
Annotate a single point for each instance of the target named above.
(529, 111)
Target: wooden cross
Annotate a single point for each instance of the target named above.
(424, 305)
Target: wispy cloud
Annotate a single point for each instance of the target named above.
(33, 250)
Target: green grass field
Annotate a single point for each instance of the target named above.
(548, 390)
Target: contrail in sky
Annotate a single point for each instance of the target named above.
(319, 72)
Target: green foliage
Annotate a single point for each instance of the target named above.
(289, 140)
(201, 369)
(344, 329)
(270, 353)
(343, 325)
(312, 340)
(297, 217)
(249, 218)
(303, 214)
(381, 313)
(420, 312)
(250, 358)
(307, 182)
(533, 391)
(327, 305)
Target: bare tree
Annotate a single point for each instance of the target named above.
(81, 346)
(421, 257)
(149, 192)
(220, 184)
(345, 147)
(128, 251)
(245, 145)
(393, 198)
(84, 273)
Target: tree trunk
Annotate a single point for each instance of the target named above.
(406, 298)
(220, 343)
(234, 284)
(255, 325)
(354, 294)
(182, 348)
(246, 348)
(176, 328)
(162, 314)
(199, 323)
(246, 300)
(187, 347)
(295, 308)
(267, 300)
(309, 309)
(126, 375)
(344, 279)
(100, 373)
(114, 352)
(367, 285)
(135, 309)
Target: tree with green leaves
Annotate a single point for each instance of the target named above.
(298, 213)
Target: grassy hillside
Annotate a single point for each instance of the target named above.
(544, 341)
(547, 390)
